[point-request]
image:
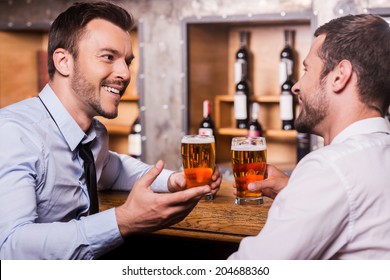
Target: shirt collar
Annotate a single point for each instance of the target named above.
(366, 126)
(68, 127)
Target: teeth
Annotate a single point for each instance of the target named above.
(110, 89)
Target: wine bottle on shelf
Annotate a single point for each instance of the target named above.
(255, 129)
(303, 145)
(206, 127)
(241, 103)
(135, 139)
(287, 104)
(242, 58)
(286, 57)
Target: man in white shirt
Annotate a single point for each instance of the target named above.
(336, 204)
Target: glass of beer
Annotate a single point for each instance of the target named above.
(198, 156)
(249, 162)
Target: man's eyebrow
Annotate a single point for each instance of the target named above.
(109, 50)
(130, 58)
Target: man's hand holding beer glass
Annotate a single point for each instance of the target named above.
(198, 157)
(274, 181)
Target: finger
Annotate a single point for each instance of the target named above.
(216, 174)
(259, 185)
(269, 193)
(147, 179)
(188, 194)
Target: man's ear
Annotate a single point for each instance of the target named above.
(341, 75)
(63, 61)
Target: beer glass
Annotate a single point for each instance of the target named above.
(198, 156)
(249, 162)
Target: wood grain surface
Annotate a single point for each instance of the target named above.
(219, 220)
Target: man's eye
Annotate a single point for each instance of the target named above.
(108, 57)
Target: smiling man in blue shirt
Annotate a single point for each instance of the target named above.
(44, 200)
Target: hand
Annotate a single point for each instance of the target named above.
(146, 211)
(275, 181)
(177, 181)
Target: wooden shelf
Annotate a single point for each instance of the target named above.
(130, 99)
(270, 133)
(259, 99)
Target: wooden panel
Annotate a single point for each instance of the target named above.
(265, 44)
(18, 65)
(207, 68)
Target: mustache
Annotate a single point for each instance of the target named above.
(121, 83)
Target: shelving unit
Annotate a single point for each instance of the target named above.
(211, 46)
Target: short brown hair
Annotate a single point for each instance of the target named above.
(70, 24)
(364, 40)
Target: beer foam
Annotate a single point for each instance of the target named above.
(249, 148)
(197, 140)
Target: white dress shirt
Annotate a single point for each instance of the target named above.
(43, 196)
(336, 204)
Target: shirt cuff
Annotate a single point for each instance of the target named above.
(161, 182)
(102, 232)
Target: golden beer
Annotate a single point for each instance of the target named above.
(249, 162)
(198, 156)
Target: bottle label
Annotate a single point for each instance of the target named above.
(135, 144)
(205, 131)
(286, 107)
(285, 70)
(240, 109)
(240, 67)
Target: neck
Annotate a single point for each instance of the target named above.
(72, 104)
(341, 119)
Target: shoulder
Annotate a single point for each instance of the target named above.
(28, 111)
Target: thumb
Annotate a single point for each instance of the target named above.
(152, 174)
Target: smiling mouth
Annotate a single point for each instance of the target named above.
(111, 89)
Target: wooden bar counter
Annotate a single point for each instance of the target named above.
(212, 230)
(217, 221)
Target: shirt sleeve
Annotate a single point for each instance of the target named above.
(21, 235)
(129, 170)
(120, 171)
(306, 218)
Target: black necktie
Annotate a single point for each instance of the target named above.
(90, 176)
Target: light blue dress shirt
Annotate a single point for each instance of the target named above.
(43, 195)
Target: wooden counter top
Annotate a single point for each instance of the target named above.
(217, 220)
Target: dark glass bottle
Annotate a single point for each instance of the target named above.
(255, 129)
(206, 127)
(287, 104)
(241, 65)
(135, 139)
(241, 103)
(286, 58)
